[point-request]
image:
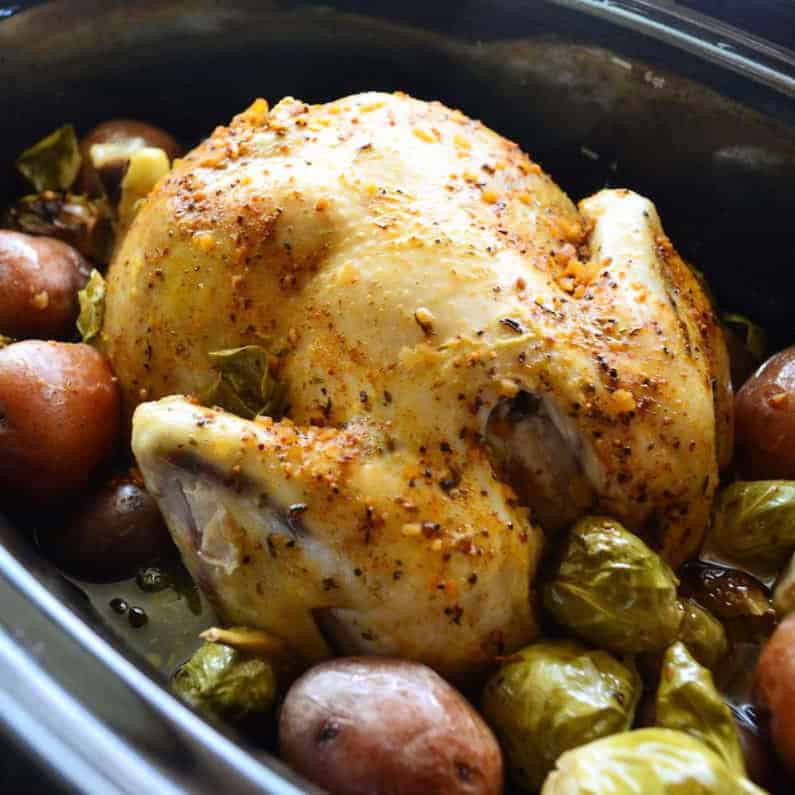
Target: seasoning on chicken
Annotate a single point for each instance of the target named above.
(453, 340)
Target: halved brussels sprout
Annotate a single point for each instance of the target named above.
(645, 762)
(226, 683)
(735, 598)
(753, 526)
(85, 224)
(688, 701)
(614, 591)
(553, 696)
(53, 162)
(703, 634)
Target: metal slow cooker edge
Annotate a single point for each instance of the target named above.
(102, 723)
(98, 716)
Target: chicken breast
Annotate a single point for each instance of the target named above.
(466, 356)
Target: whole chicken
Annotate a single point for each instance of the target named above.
(464, 358)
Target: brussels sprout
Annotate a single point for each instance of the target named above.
(753, 526)
(226, 683)
(553, 696)
(688, 701)
(612, 590)
(83, 223)
(645, 762)
(738, 600)
(703, 634)
(53, 162)
(244, 385)
(92, 307)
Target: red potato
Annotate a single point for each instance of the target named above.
(765, 420)
(774, 688)
(376, 726)
(116, 530)
(59, 417)
(39, 281)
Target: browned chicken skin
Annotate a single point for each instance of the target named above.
(448, 325)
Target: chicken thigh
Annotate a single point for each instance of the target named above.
(466, 357)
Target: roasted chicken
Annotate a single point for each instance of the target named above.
(466, 359)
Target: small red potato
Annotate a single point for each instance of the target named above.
(116, 531)
(774, 689)
(765, 420)
(376, 726)
(59, 417)
(39, 281)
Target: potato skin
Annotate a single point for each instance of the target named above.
(765, 420)
(115, 531)
(774, 689)
(39, 281)
(377, 726)
(59, 417)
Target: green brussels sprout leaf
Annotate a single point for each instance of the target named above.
(553, 696)
(646, 762)
(703, 634)
(244, 384)
(53, 162)
(753, 526)
(226, 684)
(92, 307)
(687, 701)
(614, 591)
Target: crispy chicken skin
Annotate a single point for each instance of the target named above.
(458, 340)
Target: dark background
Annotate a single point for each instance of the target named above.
(770, 19)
